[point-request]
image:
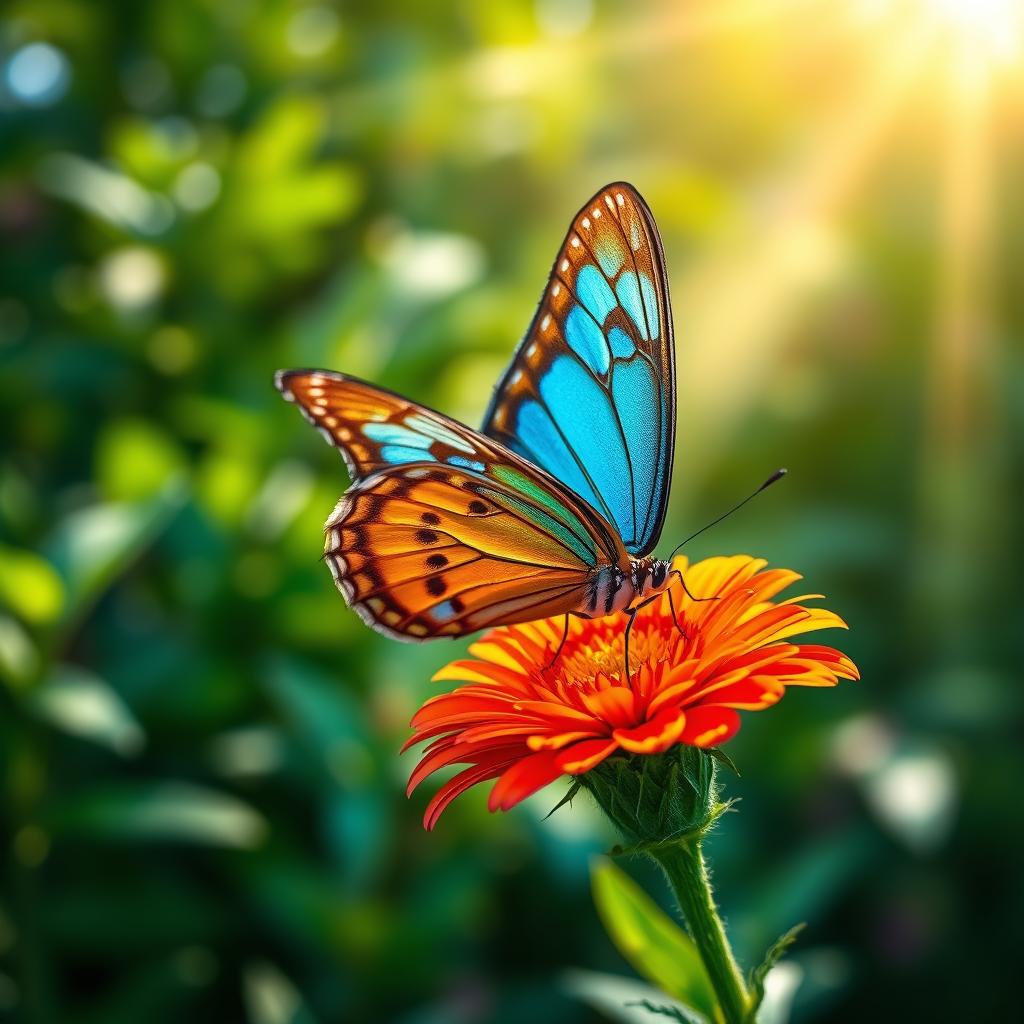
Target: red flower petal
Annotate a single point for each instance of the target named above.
(616, 705)
(751, 694)
(454, 787)
(557, 741)
(581, 757)
(654, 736)
(709, 726)
(524, 778)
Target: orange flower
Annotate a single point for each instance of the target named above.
(525, 724)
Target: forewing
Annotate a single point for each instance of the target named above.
(590, 393)
(375, 429)
(423, 551)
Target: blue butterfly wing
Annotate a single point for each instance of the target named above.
(590, 393)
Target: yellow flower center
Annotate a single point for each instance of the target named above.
(603, 652)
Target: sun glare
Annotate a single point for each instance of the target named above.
(992, 30)
(993, 25)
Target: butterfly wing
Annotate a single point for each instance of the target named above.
(445, 531)
(374, 428)
(423, 551)
(590, 393)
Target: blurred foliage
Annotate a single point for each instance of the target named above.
(202, 813)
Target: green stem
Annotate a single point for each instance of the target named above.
(683, 864)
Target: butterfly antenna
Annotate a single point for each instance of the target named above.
(774, 478)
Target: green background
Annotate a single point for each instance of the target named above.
(202, 813)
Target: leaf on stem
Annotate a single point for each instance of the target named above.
(775, 953)
(652, 943)
(625, 1000)
(663, 1010)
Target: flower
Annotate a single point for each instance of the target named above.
(524, 721)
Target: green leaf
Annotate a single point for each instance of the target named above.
(775, 953)
(161, 811)
(626, 1000)
(653, 944)
(661, 1010)
(83, 705)
(29, 586)
(271, 997)
(93, 546)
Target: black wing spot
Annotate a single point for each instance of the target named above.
(436, 586)
(457, 606)
(436, 561)
(431, 518)
(374, 507)
(426, 537)
(477, 508)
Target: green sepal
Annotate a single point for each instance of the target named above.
(723, 758)
(656, 798)
(567, 799)
(776, 951)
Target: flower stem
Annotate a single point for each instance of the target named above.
(683, 864)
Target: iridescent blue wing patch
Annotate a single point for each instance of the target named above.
(590, 393)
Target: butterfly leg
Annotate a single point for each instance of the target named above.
(631, 612)
(714, 597)
(565, 636)
(675, 615)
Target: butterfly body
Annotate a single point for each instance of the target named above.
(554, 506)
(615, 589)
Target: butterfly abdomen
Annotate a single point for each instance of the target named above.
(610, 591)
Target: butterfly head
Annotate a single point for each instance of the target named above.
(650, 576)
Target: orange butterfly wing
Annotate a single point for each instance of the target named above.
(445, 532)
(422, 551)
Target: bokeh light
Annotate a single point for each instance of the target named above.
(38, 75)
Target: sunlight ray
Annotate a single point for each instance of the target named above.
(960, 501)
(741, 300)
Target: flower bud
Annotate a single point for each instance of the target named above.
(654, 798)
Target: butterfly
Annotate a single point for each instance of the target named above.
(554, 506)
